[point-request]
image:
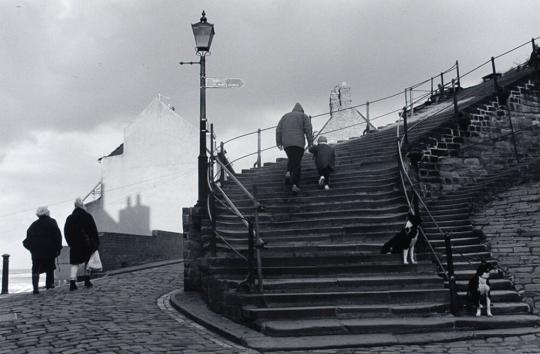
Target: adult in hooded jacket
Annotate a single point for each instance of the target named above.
(82, 237)
(44, 241)
(292, 131)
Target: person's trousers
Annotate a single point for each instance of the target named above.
(49, 277)
(325, 172)
(294, 162)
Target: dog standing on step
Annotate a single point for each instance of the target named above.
(405, 240)
(478, 291)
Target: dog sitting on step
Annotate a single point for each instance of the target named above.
(478, 290)
(405, 240)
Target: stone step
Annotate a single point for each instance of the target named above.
(343, 311)
(499, 296)
(474, 250)
(326, 298)
(284, 191)
(302, 198)
(333, 269)
(299, 230)
(320, 327)
(305, 214)
(337, 179)
(386, 169)
(353, 282)
(246, 206)
(372, 221)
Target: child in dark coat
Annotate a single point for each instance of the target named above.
(325, 160)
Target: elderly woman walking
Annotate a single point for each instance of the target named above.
(44, 241)
(82, 237)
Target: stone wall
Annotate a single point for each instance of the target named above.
(123, 250)
(511, 224)
(480, 141)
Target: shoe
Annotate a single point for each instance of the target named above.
(295, 189)
(326, 187)
(50, 286)
(36, 291)
(321, 181)
(87, 282)
(72, 285)
(288, 177)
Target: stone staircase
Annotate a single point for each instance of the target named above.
(323, 274)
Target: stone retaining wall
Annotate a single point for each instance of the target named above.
(123, 250)
(480, 142)
(511, 224)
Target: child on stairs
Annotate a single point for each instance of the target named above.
(325, 157)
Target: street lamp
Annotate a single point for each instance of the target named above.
(203, 33)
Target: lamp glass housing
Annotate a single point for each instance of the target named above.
(203, 33)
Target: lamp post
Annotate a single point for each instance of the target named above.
(203, 33)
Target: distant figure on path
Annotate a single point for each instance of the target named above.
(290, 133)
(44, 241)
(325, 160)
(82, 237)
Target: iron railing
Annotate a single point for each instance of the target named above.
(254, 241)
(408, 185)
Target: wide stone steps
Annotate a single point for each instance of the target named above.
(322, 268)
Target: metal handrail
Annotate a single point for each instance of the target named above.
(255, 242)
(403, 173)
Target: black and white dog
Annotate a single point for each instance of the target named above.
(405, 240)
(478, 291)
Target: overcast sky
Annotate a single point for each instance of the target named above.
(74, 73)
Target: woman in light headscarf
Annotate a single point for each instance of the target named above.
(44, 241)
(82, 237)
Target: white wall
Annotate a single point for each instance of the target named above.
(146, 187)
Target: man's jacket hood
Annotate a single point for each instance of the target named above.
(298, 108)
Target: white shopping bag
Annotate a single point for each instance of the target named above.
(94, 263)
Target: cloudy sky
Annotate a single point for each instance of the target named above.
(74, 73)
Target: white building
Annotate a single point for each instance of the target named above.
(345, 122)
(150, 177)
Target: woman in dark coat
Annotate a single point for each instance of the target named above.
(82, 237)
(44, 241)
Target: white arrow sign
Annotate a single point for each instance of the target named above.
(212, 82)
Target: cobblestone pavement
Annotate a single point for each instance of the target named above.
(130, 313)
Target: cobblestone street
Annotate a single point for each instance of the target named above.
(130, 313)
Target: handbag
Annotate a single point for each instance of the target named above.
(94, 263)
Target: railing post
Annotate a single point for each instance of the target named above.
(5, 273)
(533, 44)
(456, 110)
(221, 170)
(212, 195)
(258, 148)
(367, 111)
(258, 249)
(251, 256)
(431, 87)
(442, 84)
(454, 306)
(411, 99)
(457, 75)
(495, 80)
(405, 140)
